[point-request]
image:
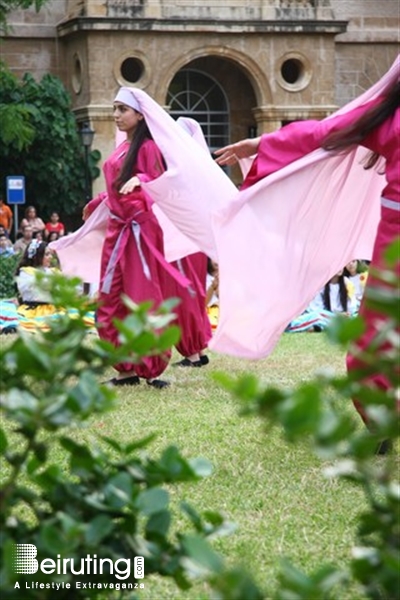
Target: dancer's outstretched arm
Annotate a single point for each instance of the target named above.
(231, 154)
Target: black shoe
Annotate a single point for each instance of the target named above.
(188, 363)
(134, 380)
(384, 447)
(204, 359)
(159, 384)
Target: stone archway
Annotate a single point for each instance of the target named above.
(240, 61)
(243, 82)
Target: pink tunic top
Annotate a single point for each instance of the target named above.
(149, 166)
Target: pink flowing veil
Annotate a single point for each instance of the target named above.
(278, 242)
(176, 244)
(79, 252)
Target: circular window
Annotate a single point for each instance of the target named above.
(76, 74)
(293, 72)
(132, 69)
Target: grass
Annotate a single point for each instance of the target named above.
(275, 492)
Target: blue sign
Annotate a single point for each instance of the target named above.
(16, 189)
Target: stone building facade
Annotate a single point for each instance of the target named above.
(239, 67)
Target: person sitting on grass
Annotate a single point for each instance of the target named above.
(33, 308)
(337, 297)
(357, 272)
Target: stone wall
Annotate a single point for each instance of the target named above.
(342, 47)
(33, 42)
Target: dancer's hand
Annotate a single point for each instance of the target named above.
(229, 155)
(130, 185)
(85, 212)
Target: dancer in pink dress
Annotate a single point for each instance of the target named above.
(284, 228)
(374, 125)
(132, 260)
(192, 314)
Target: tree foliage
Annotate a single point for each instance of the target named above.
(6, 6)
(39, 139)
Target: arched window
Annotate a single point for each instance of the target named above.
(196, 95)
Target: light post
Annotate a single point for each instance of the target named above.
(87, 135)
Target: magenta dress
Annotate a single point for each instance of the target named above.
(191, 312)
(132, 260)
(278, 149)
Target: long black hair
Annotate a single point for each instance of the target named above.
(142, 133)
(33, 255)
(343, 294)
(355, 133)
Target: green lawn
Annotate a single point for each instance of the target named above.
(275, 492)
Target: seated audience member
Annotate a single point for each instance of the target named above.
(38, 236)
(54, 226)
(34, 307)
(53, 236)
(23, 242)
(6, 247)
(34, 303)
(212, 299)
(32, 219)
(337, 297)
(3, 231)
(357, 272)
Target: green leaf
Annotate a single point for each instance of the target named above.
(51, 540)
(100, 527)
(201, 554)
(343, 330)
(3, 441)
(158, 524)
(168, 338)
(236, 584)
(193, 516)
(142, 443)
(201, 466)
(119, 490)
(392, 252)
(152, 501)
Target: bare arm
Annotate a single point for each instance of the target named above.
(229, 155)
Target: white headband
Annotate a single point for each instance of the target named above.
(126, 96)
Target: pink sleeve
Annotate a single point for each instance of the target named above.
(150, 164)
(291, 142)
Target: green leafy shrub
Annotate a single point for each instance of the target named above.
(8, 265)
(311, 410)
(107, 499)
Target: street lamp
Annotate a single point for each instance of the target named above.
(87, 135)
